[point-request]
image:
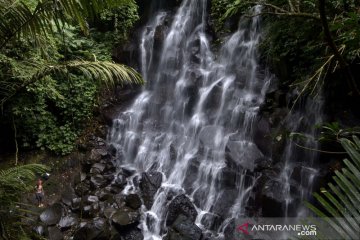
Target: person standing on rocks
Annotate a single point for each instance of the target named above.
(39, 193)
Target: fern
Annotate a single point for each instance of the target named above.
(17, 180)
(342, 202)
(14, 182)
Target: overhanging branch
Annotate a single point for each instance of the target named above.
(304, 15)
(283, 12)
(333, 47)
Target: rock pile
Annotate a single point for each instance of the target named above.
(99, 203)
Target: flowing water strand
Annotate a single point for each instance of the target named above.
(298, 161)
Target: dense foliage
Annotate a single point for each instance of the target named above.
(296, 31)
(218, 8)
(54, 60)
(117, 23)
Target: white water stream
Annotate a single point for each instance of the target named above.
(194, 119)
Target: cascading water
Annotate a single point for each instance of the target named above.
(193, 121)
(300, 169)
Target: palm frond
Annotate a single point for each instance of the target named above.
(352, 149)
(108, 73)
(18, 19)
(104, 72)
(341, 204)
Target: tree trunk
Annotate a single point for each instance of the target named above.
(330, 42)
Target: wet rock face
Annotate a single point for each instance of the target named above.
(127, 172)
(97, 154)
(75, 204)
(133, 201)
(98, 181)
(242, 153)
(52, 215)
(55, 233)
(223, 204)
(150, 182)
(211, 221)
(90, 210)
(262, 136)
(67, 222)
(180, 205)
(228, 177)
(273, 201)
(210, 136)
(82, 188)
(67, 196)
(183, 229)
(134, 234)
(97, 229)
(97, 168)
(229, 229)
(120, 180)
(125, 218)
(127, 54)
(126, 221)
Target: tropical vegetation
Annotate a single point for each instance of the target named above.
(339, 203)
(53, 64)
(55, 60)
(329, 30)
(14, 182)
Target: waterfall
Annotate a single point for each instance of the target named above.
(300, 169)
(194, 119)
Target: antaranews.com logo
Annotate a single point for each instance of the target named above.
(291, 228)
(302, 230)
